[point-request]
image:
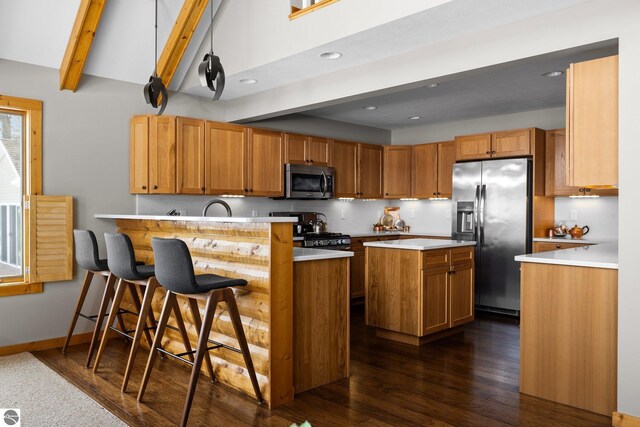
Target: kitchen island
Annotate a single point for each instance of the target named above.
(418, 290)
(568, 326)
(294, 309)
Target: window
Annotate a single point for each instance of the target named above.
(20, 139)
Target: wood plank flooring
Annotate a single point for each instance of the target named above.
(469, 379)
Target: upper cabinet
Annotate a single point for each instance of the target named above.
(307, 150)
(556, 184)
(266, 163)
(190, 159)
(511, 143)
(397, 171)
(592, 123)
(152, 155)
(370, 161)
(432, 168)
(345, 165)
(226, 159)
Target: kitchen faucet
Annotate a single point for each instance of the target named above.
(219, 202)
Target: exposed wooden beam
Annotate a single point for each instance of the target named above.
(181, 34)
(84, 29)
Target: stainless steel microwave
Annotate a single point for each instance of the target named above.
(308, 182)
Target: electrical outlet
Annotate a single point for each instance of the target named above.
(412, 213)
(183, 212)
(254, 213)
(573, 215)
(343, 213)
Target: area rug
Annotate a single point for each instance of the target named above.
(45, 398)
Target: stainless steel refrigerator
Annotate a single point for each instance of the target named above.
(492, 205)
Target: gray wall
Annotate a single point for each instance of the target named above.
(551, 118)
(316, 126)
(86, 155)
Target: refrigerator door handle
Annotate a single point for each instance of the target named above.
(483, 202)
(476, 202)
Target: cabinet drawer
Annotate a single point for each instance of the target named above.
(462, 255)
(548, 246)
(436, 258)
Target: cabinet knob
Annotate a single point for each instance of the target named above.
(246, 190)
(487, 152)
(202, 189)
(558, 246)
(144, 187)
(435, 194)
(386, 194)
(155, 187)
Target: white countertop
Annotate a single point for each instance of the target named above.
(565, 240)
(597, 256)
(311, 254)
(419, 244)
(262, 219)
(399, 233)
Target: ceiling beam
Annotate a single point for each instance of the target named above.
(181, 34)
(84, 29)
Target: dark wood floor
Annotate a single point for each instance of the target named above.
(469, 379)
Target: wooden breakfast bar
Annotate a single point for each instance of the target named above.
(259, 250)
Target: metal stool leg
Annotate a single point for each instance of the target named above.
(151, 286)
(162, 325)
(106, 298)
(203, 339)
(117, 300)
(83, 294)
(230, 299)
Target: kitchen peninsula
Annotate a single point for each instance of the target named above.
(418, 290)
(260, 250)
(569, 328)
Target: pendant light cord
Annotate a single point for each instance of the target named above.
(155, 65)
(211, 28)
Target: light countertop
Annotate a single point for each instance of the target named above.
(565, 240)
(310, 254)
(597, 256)
(419, 244)
(240, 219)
(399, 233)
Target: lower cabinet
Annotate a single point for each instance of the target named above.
(549, 246)
(435, 297)
(357, 274)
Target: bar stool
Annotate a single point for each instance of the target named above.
(174, 271)
(122, 263)
(87, 257)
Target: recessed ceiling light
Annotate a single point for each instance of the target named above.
(433, 85)
(415, 118)
(553, 73)
(370, 108)
(248, 81)
(330, 55)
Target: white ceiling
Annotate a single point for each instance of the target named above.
(502, 89)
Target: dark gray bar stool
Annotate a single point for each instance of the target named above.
(123, 265)
(174, 271)
(88, 258)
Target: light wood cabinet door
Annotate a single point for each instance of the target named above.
(592, 123)
(319, 151)
(472, 147)
(370, 171)
(345, 156)
(226, 159)
(549, 246)
(139, 155)
(446, 160)
(461, 292)
(511, 143)
(191, 152)
(397, 172)
(295, 149)
(266, 163)
(424, 170)
(357, 274)
(162, 155)
(435, 307)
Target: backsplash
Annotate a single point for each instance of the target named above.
(600, 214)
(343, 216)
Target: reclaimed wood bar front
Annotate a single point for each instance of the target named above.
(261, 252)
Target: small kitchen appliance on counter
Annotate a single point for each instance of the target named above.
(312, 229)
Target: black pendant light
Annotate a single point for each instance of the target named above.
(155, 88)
(210, 69)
